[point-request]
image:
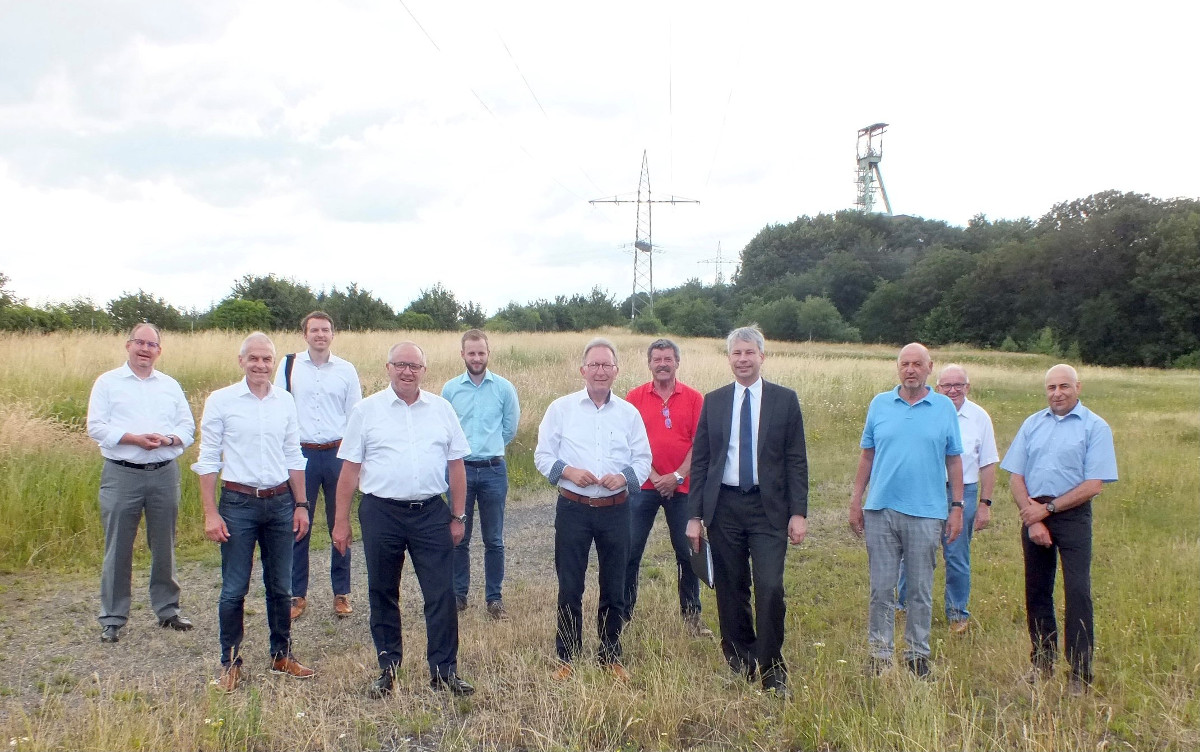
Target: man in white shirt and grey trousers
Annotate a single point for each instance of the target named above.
(142, 422)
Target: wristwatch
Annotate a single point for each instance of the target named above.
(1050, 508)
(956, 505)
(986, 502)
(678, 478)
(460, 517)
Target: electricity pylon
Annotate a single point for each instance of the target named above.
(717, 262)
(643, 271)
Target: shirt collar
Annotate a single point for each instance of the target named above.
(422, 396)
(243, 388)
(924, 398)
(465, 378)
(1079, 411)
(738, 389)
(129, 374)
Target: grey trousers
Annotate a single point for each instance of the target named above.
(125, 494)
(892, 537)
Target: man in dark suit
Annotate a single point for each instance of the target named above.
(751, 471)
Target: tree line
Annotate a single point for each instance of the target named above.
(1111, 279)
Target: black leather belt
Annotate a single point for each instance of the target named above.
(137, 466)
(413, 504)
(489, 462)
(738, 489)
(258, 493)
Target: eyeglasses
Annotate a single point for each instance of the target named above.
(956, 386)
(145, 343)
(600, 366)
(666, 413)
(402, 366)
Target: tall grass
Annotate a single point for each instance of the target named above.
(1145, 572)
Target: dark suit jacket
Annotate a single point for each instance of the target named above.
(782, 459)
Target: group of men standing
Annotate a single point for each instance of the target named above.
(729, 467)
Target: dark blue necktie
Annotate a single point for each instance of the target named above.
(745, 447)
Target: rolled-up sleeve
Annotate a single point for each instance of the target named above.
(545, 455)
(212, 433)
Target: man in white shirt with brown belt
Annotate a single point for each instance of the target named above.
(249, 435)
(325, 388)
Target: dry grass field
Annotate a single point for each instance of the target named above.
(61, 689)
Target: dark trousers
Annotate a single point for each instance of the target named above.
(489, 487)
(643, 509)
(1071, 536)
(267, 523)
(321, 474)
(576, 526)
(388, 530)
(747, 549)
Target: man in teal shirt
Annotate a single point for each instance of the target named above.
(911, 452)
(488, 411)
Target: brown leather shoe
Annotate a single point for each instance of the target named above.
(563, 672)
(341, 606)
(959, 627)
(696, 627)
(298, 606)
(495, 609)
(619, 672)
(231, 678)
(293, 668)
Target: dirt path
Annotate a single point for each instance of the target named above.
(51, 636)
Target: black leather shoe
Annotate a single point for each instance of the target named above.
(111, 633)
(919, 666)
(382, 687)
(747, 670)
(453, 684)
(176, 622)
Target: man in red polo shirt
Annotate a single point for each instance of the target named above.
(671, 411)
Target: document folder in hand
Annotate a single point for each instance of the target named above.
(702, 563)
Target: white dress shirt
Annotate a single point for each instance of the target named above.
(249, 440)
(324, 396)
(403, 449)
(122, 402)
(733, 464)
(978, 440)
(611, 439)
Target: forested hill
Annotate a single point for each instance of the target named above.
(1111, 279)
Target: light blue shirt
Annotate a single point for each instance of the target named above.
(489, 413)
(911, 444)
(1057, 454)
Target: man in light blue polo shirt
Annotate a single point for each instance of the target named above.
(489, 412)
(911, 449)
(1060, 460)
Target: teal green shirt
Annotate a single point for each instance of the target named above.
(488, 413)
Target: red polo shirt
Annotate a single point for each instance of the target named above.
(668, 446)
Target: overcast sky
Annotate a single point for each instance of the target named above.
(175, 146)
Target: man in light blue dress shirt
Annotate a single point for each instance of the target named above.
(1060, 460)
(489, 412)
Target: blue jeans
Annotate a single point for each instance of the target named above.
(958, 560)
(267, 523)
(320, 474)
(488, 486)
(643, 508)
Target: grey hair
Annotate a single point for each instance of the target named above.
(662, 344)
(750, 333)
(398, 345)
(256, 337)
(599, 342)
(955, 366)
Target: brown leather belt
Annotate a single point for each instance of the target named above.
(258, 493)
(603, 501)
(321, 447)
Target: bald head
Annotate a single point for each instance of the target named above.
(1062, 389)
(954, 383)
(913, 366)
